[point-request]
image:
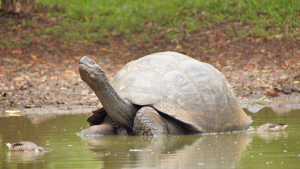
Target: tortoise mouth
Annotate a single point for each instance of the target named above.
(84, 63)
(84, 67)
(81, 63)
(85, 71)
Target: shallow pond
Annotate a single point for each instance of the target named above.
(64, 149)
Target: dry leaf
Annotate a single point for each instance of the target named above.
(70, 71)
(104, 50)
(178, 47)
(19, 78)
(218, 64)
(271, 93)
(23, 87)
(16, 28)
(33, 56)
(264, 86)
(13, 112)
(17, 52)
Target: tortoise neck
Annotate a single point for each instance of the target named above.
(119, 109)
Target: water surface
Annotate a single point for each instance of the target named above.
(64, 149)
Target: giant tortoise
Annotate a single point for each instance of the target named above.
(162, 93)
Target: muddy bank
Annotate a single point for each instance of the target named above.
(44, 87)
(50, 81)
(55, 96)
(71, 95)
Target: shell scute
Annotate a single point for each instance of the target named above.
(183, 88)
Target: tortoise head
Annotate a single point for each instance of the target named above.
(90, 71)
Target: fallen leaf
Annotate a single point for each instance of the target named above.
(23, 87)
(218, 64)
(264, 86)
(104, 50)
(16, 28)
(265, 71)
(178, 47)
(16, 51)
(271, 93)
(33, 56)
(43, 79)
(226, 68)
(19, 78)
(69, 71)
(283, 77)
(278, 36)
(13, 112)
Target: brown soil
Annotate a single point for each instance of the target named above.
(43, 73)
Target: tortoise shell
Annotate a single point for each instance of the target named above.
(178, 86)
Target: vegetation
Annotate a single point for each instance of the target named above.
(93, 19)
(88, 20)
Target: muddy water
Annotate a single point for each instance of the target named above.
(64, 149)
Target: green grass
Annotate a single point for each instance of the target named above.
(95, 19)
(143, 20)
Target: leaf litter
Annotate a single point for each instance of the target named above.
(44, 71)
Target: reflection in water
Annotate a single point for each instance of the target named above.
(280, 110)
(23, 157)
(64, 149)
(208, 151)
(37, 119)
(254, 108)
(271, 135)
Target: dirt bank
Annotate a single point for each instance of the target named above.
(38, 88)
(41, 75)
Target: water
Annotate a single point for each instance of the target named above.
(64, 149)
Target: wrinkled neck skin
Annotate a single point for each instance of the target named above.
(119, 109)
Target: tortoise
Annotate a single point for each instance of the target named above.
(162, 93)
(24, 146)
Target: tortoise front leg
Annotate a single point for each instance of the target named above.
(149, 122)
